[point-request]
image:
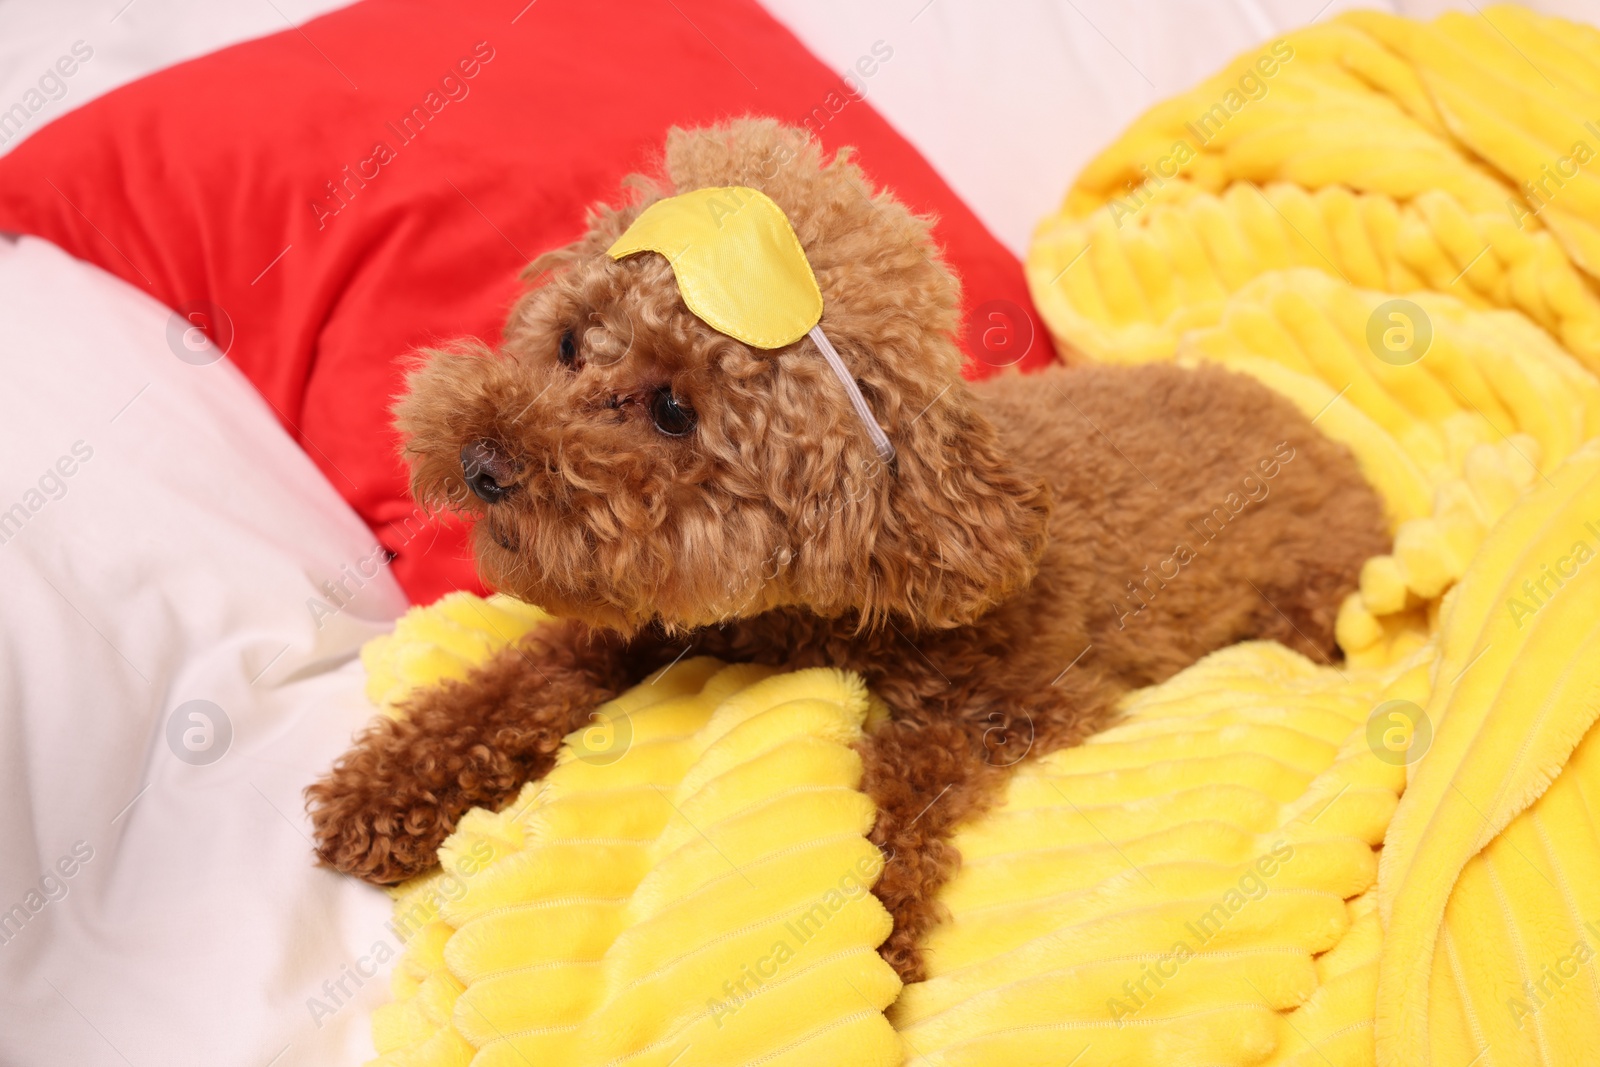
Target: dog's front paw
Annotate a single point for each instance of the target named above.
(388, 804)
(380, 832)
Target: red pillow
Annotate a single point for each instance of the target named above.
(323, 201)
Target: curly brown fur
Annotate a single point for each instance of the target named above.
(1041, 544)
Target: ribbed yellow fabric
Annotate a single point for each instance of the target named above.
(1475, 134)
(1124, 283)
(1450, 441)
(444, 640)
(1394, 223)
(1488, 867)
(1188, 880)
(701, 898)
(1275, 220)
(1161, 894)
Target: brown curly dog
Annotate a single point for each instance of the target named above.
(1040, 545)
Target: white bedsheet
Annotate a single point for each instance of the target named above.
(176, 562)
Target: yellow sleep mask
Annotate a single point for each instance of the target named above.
(741, 270)
(738, 263)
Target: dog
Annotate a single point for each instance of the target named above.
(1037, 546)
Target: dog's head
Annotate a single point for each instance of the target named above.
(628, 464)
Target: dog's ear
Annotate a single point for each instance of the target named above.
(960, 529)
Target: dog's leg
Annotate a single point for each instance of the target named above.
(390, 801)
(926, 778)
(929, 773)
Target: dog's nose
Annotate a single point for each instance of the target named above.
(488, 470)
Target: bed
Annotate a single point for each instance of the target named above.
(201, 519)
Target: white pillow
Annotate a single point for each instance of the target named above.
(165, 541)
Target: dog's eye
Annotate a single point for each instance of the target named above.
(569, 348)
(672, 416)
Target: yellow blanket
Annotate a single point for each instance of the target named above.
(692, 887)
(694, 891)
(1397, 225)
(1395, 861)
